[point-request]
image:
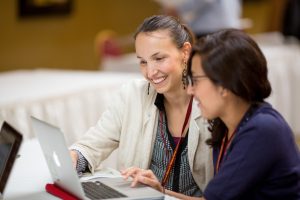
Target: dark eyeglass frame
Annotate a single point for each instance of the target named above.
(191, 80)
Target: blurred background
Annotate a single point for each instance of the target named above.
(64, 41)
(61, 60)
(67, 40)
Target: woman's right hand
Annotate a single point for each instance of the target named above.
(146, 177)
(74, 157)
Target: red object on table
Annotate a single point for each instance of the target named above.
(59, 192)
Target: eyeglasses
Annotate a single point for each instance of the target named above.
(193, 80)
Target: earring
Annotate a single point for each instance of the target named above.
(184, 75)
(148, 88)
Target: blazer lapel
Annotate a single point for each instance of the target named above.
(194, 134)
(150, 118)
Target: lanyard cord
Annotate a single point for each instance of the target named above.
(225, 144)
(172, 161)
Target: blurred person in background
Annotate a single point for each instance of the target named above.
(291, 19)
(205, 16)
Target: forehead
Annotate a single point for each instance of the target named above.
(196, 64)
(155, 37)
(160, 33)
(148, 43)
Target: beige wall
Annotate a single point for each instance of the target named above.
(65, 42)
(68, 42)
(266, 15)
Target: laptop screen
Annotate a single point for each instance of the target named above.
(10, 141)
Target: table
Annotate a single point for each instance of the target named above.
(71, 100)
(30, 175)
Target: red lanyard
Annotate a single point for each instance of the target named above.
(172, 161)
(225, 144)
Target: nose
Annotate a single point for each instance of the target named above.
(151, 70)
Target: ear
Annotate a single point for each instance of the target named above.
(186, 49)
(223, 91)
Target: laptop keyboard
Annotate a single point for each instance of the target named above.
(97, 190)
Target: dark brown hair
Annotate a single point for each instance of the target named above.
(232, 59)
(180, 33)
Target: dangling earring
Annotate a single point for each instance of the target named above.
(148, 88)
(184, 75)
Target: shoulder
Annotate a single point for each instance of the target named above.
(135, 85)
(266, 122)
(136, 91)
(134, 88)
(267, 118)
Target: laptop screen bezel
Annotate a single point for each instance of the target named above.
(12, 154)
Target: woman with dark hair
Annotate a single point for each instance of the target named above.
(254, 151)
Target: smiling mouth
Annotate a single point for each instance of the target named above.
(158, 80)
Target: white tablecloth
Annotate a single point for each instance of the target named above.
(71, 100)
(283, 57)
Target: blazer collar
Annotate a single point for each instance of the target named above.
(196, 129)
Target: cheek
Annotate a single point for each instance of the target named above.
(168, 66)
(202, 93)
(213, 105)
(173, 64)
(209, 101)
(144, 71)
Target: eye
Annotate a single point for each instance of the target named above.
(142, 62)
(159, 58)
(194, 80)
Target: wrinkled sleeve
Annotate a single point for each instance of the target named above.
(100, 140)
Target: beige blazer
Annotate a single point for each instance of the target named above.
(130, 124)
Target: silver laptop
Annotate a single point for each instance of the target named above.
(64, 175)
(10, 141)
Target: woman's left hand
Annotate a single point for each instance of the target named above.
(139, 175)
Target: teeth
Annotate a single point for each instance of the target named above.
(159, 80)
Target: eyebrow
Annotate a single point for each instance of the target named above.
(153, 55)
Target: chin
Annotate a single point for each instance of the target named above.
(160, 90)
(205, 116)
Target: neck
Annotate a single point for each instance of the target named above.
(177, 100)
(235, 113)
